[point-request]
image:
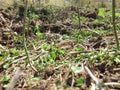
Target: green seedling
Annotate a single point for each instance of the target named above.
(79, 81)
(77, 20)
(101, 12)
(39, 34)
(37, 30)
(5, 79)
(79, 49)
(53, 54)
(13, 52)
(34, 16)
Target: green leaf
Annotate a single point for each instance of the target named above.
(13, 52)
(62, 51)
(79, 81)
(52, 47)
(39, 34)
(35, 16)
(101, 12)
(45, 46)
(117, 14)
(5, 79)
(96, 21)
(1, 57)
(49, 58)
(76, 69)
(79, 49)
(53, 54)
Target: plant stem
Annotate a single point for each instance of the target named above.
(79, 18)
(114, 24)
(24, 31)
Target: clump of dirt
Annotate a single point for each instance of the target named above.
(93, 14)
(65, 44)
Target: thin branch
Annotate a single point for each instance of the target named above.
(24, 42)
(91, 30)
(14, 79)
(93, 77)
(112, 83)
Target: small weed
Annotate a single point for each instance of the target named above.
(5, 79)
(75, 19)
(79, 81)
(34, 16)
(101, 12)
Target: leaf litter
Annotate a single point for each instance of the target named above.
(74, 65)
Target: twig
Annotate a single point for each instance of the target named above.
(93, 77)
(116, 69)
(93, 86)
(91, 30)
(14, 79)
(24, 42)
(73, 77)
(111, 83)
(86, 51)
(32, 45)
(58, 67)
(2, 47)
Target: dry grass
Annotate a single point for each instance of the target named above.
(6, 3)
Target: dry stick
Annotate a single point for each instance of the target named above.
(2, 47)
(117, 69)
(93, 77)
(112, 83)
(73, 77)
(14, 79)
(32, 45)
(88, 51)
(91, 30)
(24, 26)
(85, 51)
